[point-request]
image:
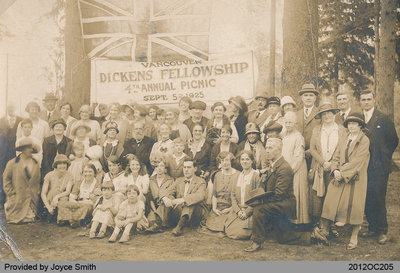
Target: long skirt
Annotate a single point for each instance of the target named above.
(74, 211)
(301, 192)
(216, 222)
(316, 202)
(236, 228)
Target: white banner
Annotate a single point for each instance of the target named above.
(167, 82)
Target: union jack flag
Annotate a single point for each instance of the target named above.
(146, 30)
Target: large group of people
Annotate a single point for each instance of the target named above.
(298, 172)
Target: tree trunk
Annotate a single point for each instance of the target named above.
(77, 64)
(386, 59)
(300, 37)
(272, 49)
(377, 6)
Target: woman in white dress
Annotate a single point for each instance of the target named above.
(293, 152)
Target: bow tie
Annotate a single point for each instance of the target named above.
(187, 181)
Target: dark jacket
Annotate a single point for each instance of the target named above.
(50, 150)
(7, 149)
(240, 124)
(201, 160)
(142, 151)
(384, 140)
(280, 182)
(233, 148)
(190, 124)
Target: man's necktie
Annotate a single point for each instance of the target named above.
(342, 115)
(108, 150)
(48, 116)
(187, 181)
(346, 152)
(257, 114)
(306, 113)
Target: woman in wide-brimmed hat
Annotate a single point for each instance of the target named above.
(80, 133)
(115, 116)
(57, 186)
(22, 184)
(85, 112)
(238, 107)
(345, 198)
(324, 140)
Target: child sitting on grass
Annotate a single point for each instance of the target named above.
(105, 209)
(130, 214)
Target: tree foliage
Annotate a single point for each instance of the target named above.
(346, 44)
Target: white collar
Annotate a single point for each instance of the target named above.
(369, 112)
(309, 108)
(182, 156)
(346, 113)
(273, 163)
(334, 127)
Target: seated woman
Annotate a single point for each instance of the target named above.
(164, 146)
(21, 182)
(159, 188)
(136, 174)
(216, 123)
(116, 176)
(221, 194)
(57, 186)
(224, 145)
(346, 194)
(78, 209)
(198, 149)
(238, 222)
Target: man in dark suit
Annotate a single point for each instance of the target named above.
(188, 206)
(259, 115)
(384, 140)
(50, 112)
(305, 116)
(8, 132)
(53, 145)
(343, 101)
(277, 208)
(140, 145)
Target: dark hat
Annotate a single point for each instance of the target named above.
(26, 142)
(198, 105)
(79, 124)
(111, 125)
(261, 94)
(60, 158)
(141, 109)
(239, 102)
(251, 127)
(257, 194)
(357, 117)
(273, 126)
(274, 100)
(308, 88)
(326, 107)
(32, 104)
(50, 96)
(54, 122)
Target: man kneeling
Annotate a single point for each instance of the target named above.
(278, 204)
(188, 206)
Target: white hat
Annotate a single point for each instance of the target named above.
(287, 100)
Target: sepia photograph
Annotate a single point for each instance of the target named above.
(199, 130)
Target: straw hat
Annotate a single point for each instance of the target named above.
(27, 142)
(80, 124)
(251, 127)
(287, 100)
(261, 94)
(50, 96)
(258, 194)
(327, 107)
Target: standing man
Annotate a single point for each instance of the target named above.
(305, 116)
(8, 132)
(384, 140)
(343, 101)
(189, 192)
(50, 113)
(259, 115)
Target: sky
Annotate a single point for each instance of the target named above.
(25, 55)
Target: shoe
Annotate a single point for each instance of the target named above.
(92, 235)
(318, 237)
(177, 231)
(340, 224)
(113, 237)
(253, 247)
(333, 233)
(153, 229)
(124, 238)
(382, 239)
(351, 246)
(101, 235)
(74, 224)
(368, 234)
